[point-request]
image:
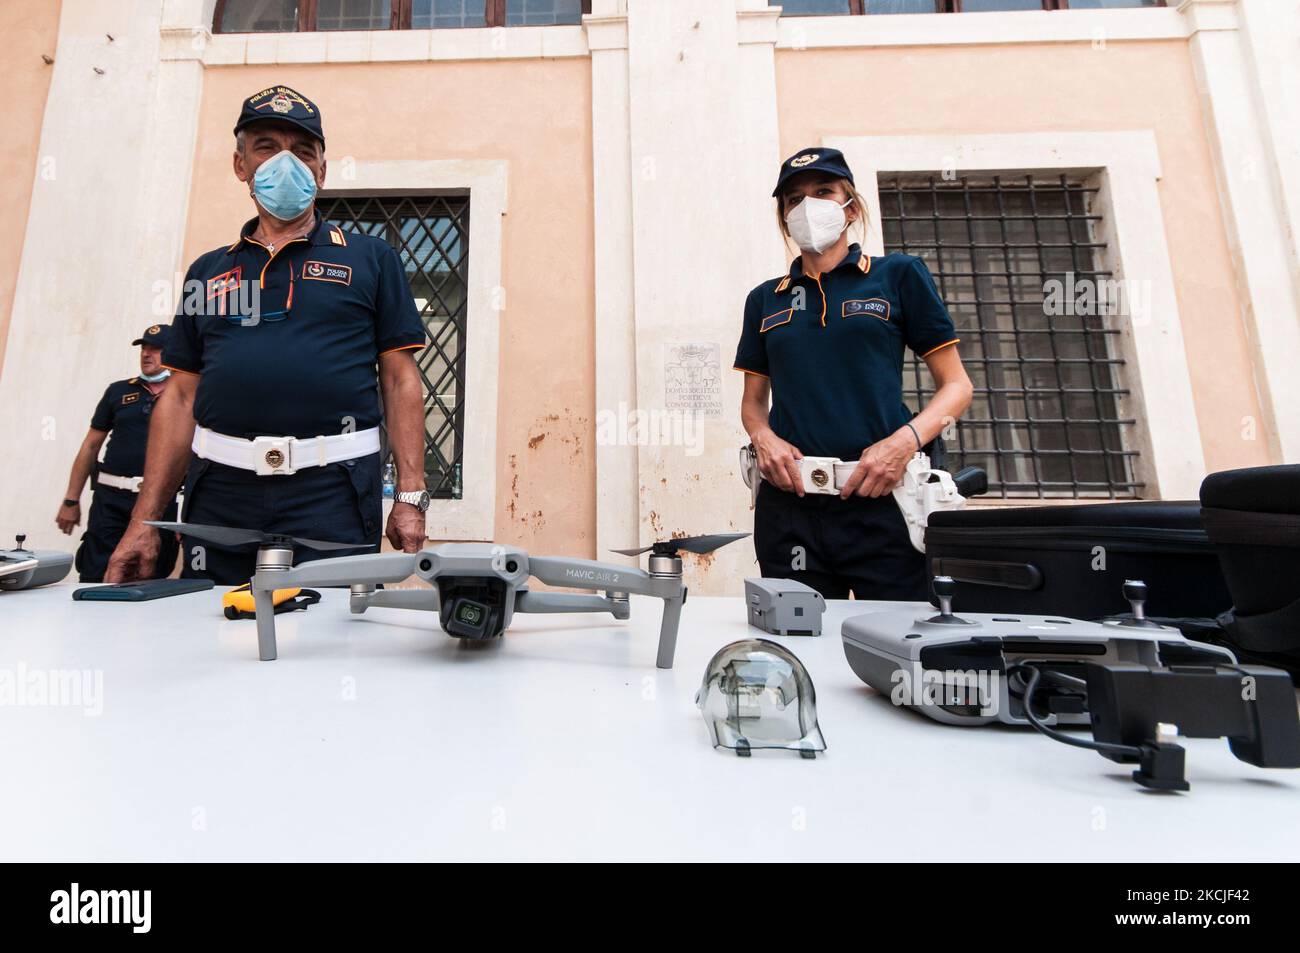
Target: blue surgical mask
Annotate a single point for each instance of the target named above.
(155, 378)
(283, 186)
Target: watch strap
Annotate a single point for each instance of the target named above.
(417, 498)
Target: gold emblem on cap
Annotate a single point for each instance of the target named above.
(281, 104)
(802, 161)
(820, 477)
(154, 330)
(273, 459)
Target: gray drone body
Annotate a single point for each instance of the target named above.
(952, 667)
(474, 587)
(784, 606)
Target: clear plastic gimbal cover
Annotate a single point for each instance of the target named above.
(757, 694)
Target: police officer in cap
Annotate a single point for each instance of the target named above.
(123, 412)
(822, 348)
(282, 344)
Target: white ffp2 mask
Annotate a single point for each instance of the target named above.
(815, 224)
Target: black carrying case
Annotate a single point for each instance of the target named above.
(1073, 560)
(1253, 518)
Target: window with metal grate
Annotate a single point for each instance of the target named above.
(431, 234)
(292, 16)
(1016, 260)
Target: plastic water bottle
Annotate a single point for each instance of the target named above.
(390, 481)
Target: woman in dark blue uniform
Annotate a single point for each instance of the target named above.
(825, 345)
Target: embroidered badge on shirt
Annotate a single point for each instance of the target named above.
(776, 320)
(223, 284)
(324, 271)
(130, 398)
(875, 306)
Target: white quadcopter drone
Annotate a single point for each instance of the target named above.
(474, 587)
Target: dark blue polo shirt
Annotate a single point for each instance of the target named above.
(123, 412)
(303, 363)
(836, 363)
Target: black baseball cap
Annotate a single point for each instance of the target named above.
(829, 161)
(155, 335)
(286, 105)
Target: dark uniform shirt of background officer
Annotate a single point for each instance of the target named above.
(333, 323)
(121, 419)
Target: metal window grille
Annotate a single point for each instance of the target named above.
(431, 235)
(288, 16)
(1045, 419)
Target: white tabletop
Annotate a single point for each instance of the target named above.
(378, 737)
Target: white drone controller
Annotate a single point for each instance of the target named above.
(22, 568)
(961, 669)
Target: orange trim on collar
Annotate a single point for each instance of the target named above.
(179, 370)
(864, 263)
(818, 279)
(783, 285)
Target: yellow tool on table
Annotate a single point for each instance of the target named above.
(238, 602)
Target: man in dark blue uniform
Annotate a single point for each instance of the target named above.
(282, 345)
(123, 412)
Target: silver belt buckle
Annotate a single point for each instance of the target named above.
(272, 456)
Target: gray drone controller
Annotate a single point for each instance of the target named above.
(474, 587)
(954, 668)
(22, 568)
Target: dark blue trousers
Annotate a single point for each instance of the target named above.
(340, 502)
(858, 545)
(110, 512)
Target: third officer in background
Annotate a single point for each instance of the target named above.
(122, 418)
(281, 347)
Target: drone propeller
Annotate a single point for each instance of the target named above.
(686, 544)
(234, 536)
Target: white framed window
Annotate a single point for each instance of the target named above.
(1120, 171)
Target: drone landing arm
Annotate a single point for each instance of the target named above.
(668, 631)
(340, 571)
(589, 574)
(423, 598)
(526, 601)
(344, 571)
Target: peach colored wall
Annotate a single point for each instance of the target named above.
(1062, 87)
(30, 29)
(536, 115)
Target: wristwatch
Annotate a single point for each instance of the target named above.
(417, 498)
(71, 502)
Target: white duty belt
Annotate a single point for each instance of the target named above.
(130, 484)
(922, 490)
(283, 456)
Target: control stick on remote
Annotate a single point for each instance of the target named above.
(1135, 591)
(945, 587)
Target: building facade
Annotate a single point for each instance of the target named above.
(1108, 196)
